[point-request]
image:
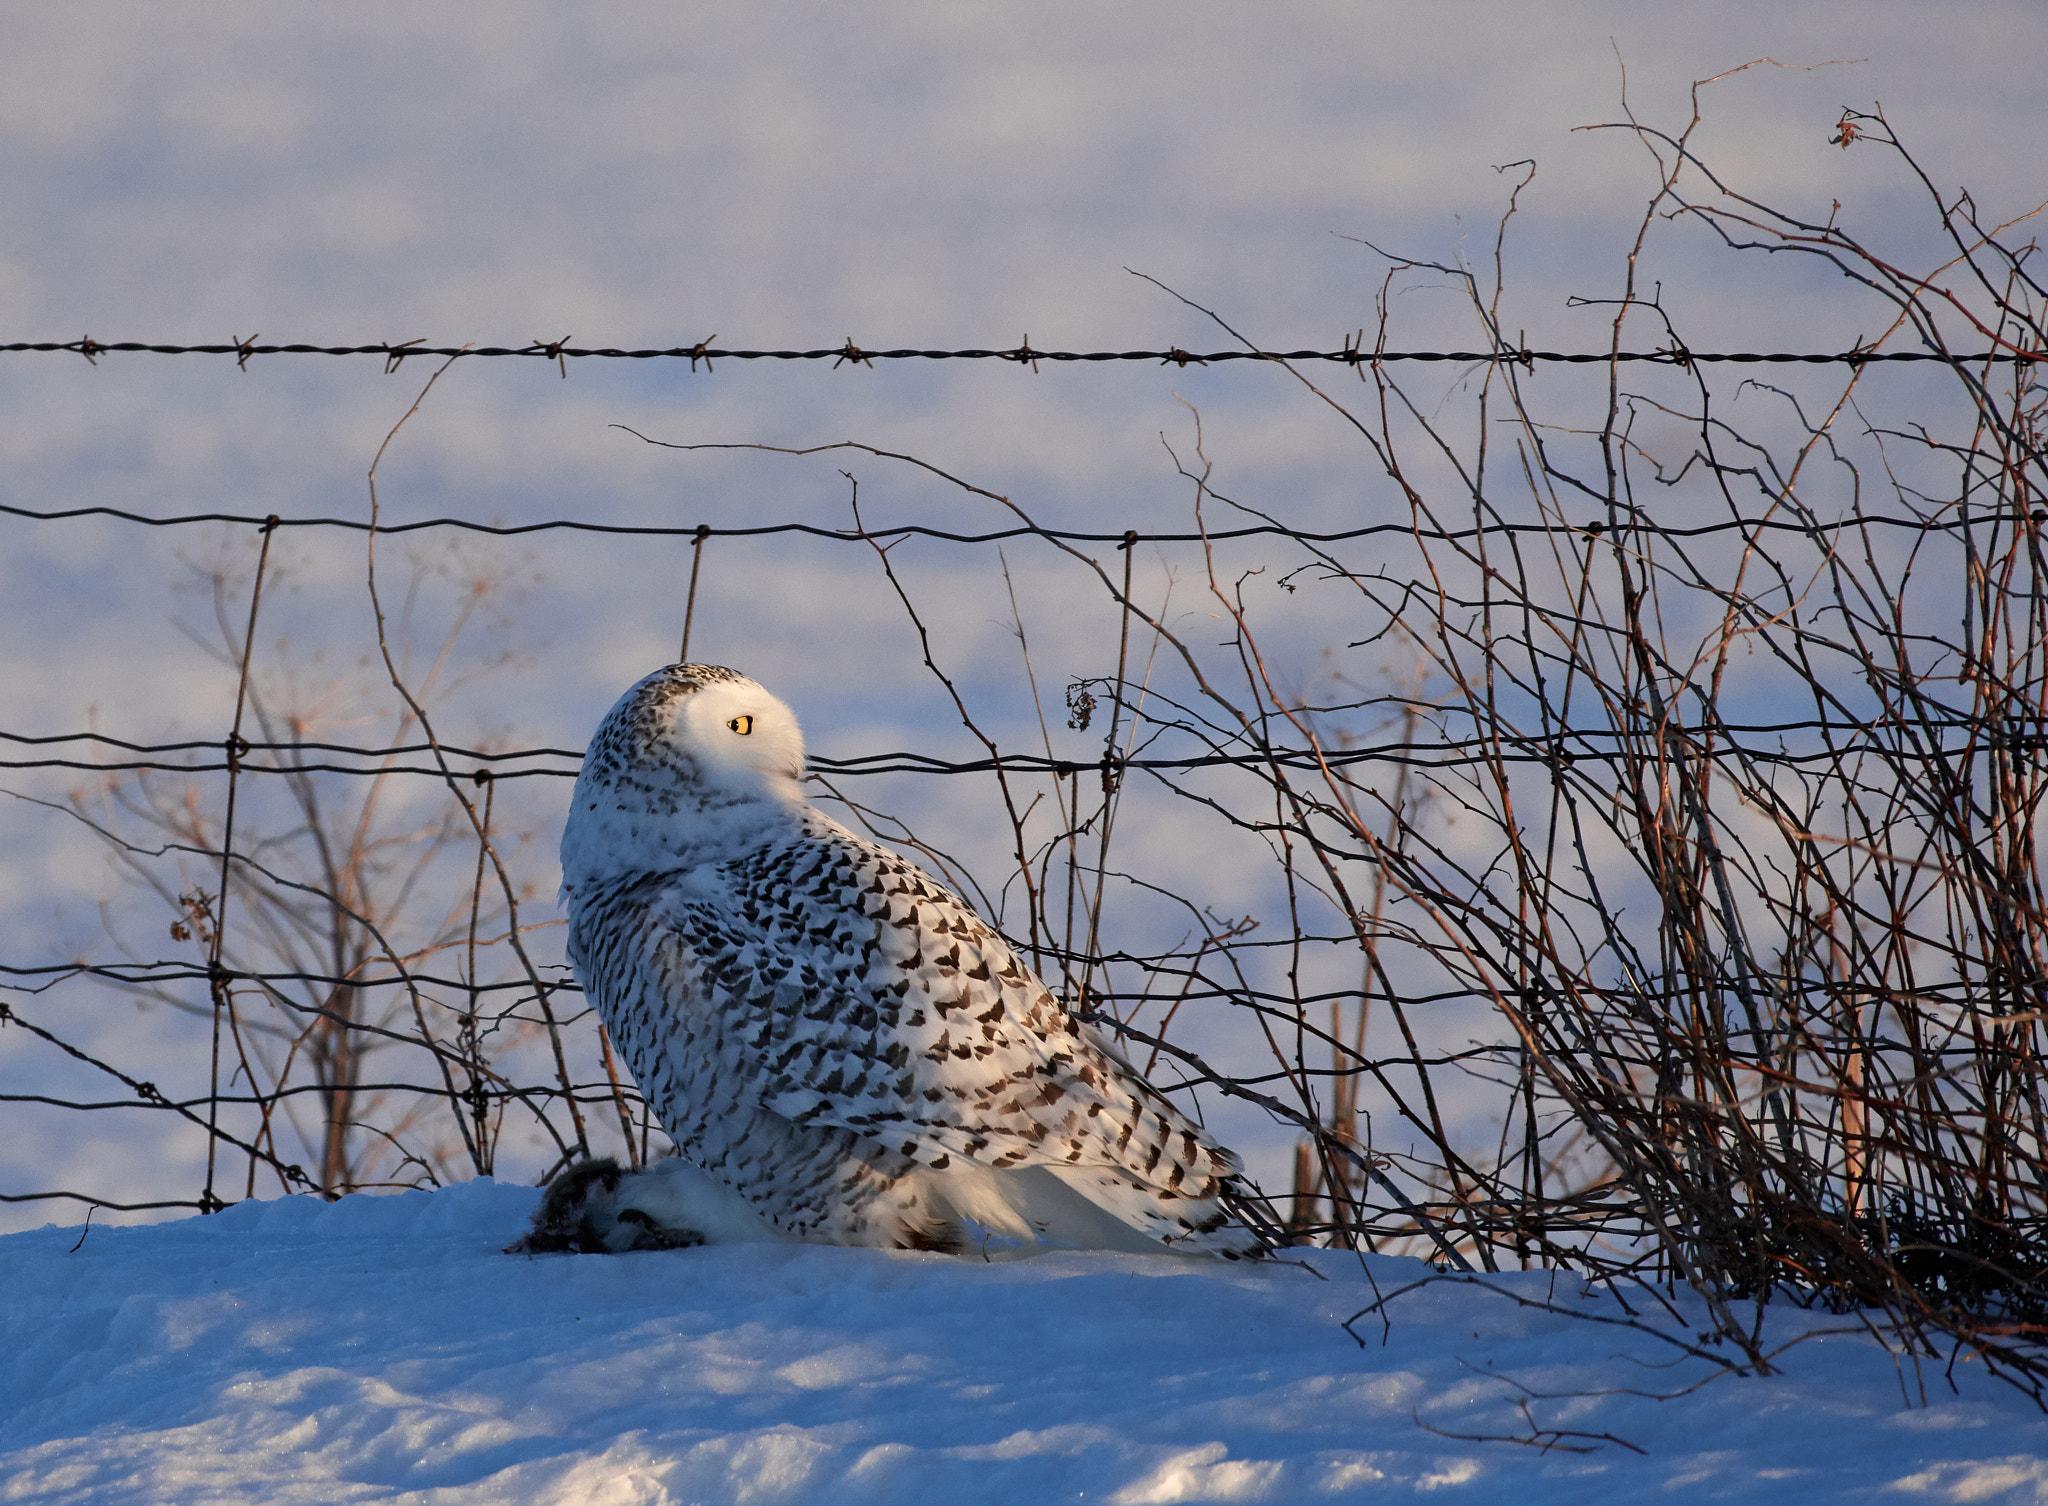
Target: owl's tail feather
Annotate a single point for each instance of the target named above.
(598, 1207)
(1086, 1208)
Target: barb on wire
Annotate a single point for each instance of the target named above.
(394, 355)
(552, 350)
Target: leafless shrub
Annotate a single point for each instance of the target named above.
(1717, 755)
(337, 883)
(375, 1015)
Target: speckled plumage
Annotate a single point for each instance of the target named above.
(829, 1031)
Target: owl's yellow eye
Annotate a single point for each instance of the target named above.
(742, 725)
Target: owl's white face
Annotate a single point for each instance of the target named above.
(737, 733)
(690, 761)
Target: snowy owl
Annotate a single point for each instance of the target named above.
(841, 1049)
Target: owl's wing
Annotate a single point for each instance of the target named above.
(858, 992)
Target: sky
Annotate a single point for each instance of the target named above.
(771, 175)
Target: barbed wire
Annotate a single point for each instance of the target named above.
(848, 353)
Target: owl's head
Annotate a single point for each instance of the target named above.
(685, 758)
(710, 726)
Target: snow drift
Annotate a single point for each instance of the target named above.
(383, 1349)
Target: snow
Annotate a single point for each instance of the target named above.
(382, 1348)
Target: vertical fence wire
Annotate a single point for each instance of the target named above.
(223, 996)
(690, 606)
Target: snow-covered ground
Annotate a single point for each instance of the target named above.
(383, 1349)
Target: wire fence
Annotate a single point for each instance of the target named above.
(1696, 842)
(1436, 757)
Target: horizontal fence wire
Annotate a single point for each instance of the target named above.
(1443, 753)
(1949, 523)
(1548, 750)
(145, 974)
(848, 353)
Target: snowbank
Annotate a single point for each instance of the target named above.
(383, 1349)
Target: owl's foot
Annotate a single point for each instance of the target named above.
(583, 1213)
(649, 1235)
